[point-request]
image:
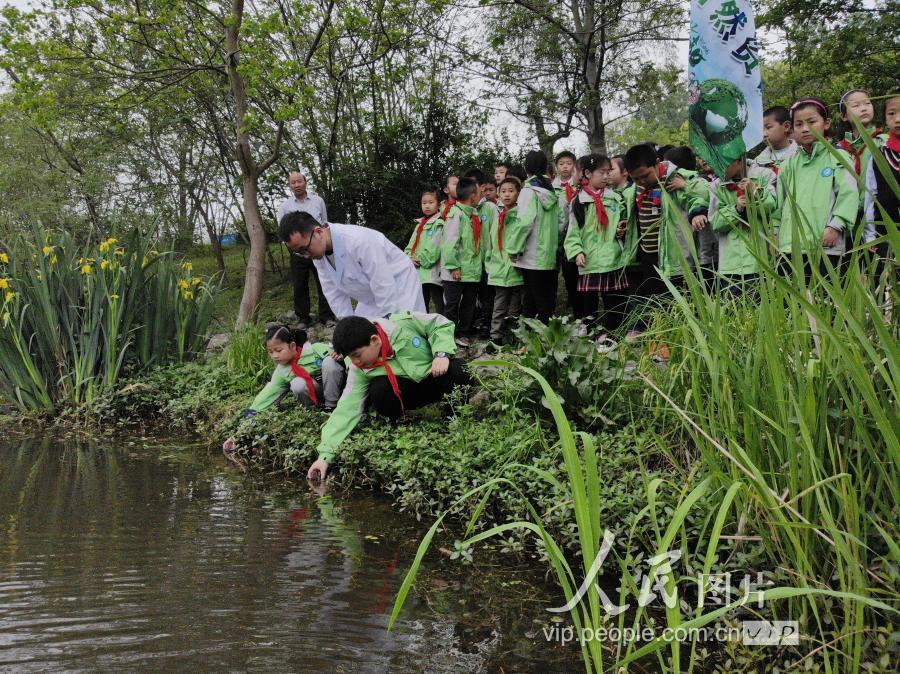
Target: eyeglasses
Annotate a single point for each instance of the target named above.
(303, 251)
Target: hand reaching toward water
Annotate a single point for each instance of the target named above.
(318, 470)
(229, 445)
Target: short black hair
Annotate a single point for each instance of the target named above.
(661, 151)
(618, 160)
(436, 191)
(779, 112)
(683, 157)
(352, 333)
(298, 221)
(465, 188)
(536, 163)
(563, 155)
(512, 180)
(283, 333)
(503, 164)
(447, 179)
(517, 171)
(639, 156)
(477, 174)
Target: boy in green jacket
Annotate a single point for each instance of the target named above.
(424, 249)
(740, 210)
(398, 364)
(488, 212)
(667, 205)
(533, 238)
(505, 279)
(818, 197)
(463, 259)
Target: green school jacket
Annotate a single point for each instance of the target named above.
(415, 338)
(429, 250)
(500, 269)
(732, 228)
(602, 250)
(675, 228)
(458, 245)
(815, 191)
(534, 237)
(310, 360)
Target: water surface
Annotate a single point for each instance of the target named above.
(141, 555)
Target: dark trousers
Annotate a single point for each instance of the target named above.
(838, 262)
(485, 305)
(614, 311)
(434, 297)
(645, 287)
(570, 280)
(416, 394)
(301, 269)
(539, 293)
(736, 285)
(459, 304)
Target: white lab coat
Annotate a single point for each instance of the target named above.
(371, 270)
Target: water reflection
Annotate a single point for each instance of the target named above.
(151, 557)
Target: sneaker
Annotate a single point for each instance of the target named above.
(606, 345)
(330, 323)
(659, 351)
(464, 342)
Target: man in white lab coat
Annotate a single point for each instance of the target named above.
(355, 263)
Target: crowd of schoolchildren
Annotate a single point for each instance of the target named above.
(490, 249)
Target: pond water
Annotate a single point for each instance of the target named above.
(147, 555)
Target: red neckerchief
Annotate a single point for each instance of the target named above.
(602, 217)
(386, 353)
(857, 156)
(570, 192)
(661, 170)
(419, 234)
(450, 203)
(299, 371)
(893, 142)
(503, 215)
(734, 187)
(476, 228)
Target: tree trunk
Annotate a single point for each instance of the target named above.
(256, 261)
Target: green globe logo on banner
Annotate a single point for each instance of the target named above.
(725, 89)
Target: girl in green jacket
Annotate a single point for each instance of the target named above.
(424, 249)
(305, 369)
(595, 242)
(818, 197)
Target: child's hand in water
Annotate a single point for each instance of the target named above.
(830, 237)
(229, 445)
(318, 470)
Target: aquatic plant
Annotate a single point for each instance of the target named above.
(73, 316)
